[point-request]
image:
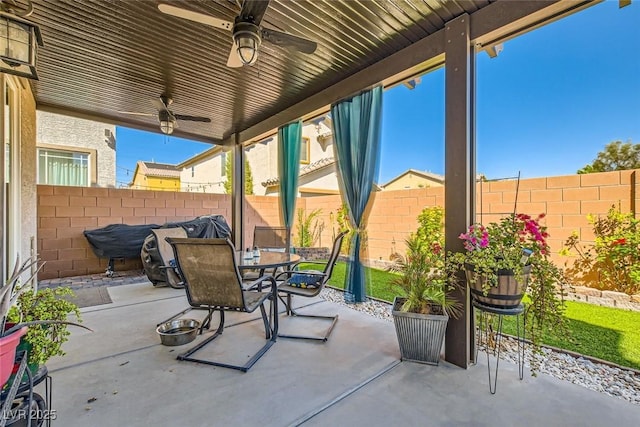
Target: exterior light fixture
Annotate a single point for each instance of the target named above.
(167, 122)
(19, 41)
(246, 37)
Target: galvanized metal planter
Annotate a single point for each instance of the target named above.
(506, 294)
(420, 336)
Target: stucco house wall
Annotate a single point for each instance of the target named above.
(263, 159)
(29, 200)
(69, 133)
(204, 173)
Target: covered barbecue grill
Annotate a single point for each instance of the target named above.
(205, 227)
(119, 241)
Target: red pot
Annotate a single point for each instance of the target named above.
(8, 345)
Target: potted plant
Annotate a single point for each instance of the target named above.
(509, 258)
(10, 337)
(36, 317)
(422, 311)
(498, 258)
(44, 341)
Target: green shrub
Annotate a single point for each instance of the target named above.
(339, 223)
(612, 261)
(430, 227)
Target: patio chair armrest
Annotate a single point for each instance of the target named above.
(290, 273)
(257, 284)
(286, 273)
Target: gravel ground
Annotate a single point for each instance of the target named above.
(620, 383)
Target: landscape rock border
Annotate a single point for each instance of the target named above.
(604, 378)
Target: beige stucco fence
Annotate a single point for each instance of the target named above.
(65, 212)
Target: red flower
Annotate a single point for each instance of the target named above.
(619, 242)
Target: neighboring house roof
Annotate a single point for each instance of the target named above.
(160, 170)
(311, 167)
(199, 157)
(427, 175)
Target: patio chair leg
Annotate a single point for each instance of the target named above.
(206, 323)
(291, 312)
(267, 325)
(244, 368)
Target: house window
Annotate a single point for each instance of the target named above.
(56, 167)
(193, 171)
(305, 151)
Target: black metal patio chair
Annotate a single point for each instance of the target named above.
(212, 282)
(270, 238)
(309, 283)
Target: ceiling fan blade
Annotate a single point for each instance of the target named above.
(254, 9)
(234, 60)
(195, 16)
(192, 118)
(160, 105)
(287, 40)
(133, 113)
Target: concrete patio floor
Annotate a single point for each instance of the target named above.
(121, 375)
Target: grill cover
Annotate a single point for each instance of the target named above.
(205, 227)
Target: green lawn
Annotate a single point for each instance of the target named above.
(378, 288)
(606, 333)
(603, 332)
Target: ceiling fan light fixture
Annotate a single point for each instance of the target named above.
(167, 122)
(166, 126)
(246, 36)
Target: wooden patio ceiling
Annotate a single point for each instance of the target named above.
(104, 57)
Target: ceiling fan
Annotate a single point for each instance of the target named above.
(168, 120)
(247, 34)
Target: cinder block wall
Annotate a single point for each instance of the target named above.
(566, 200)
(65, 212)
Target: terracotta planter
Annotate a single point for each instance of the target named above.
(506, 294)
(8, 345)
(420, 336)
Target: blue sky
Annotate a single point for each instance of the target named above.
(550, 101)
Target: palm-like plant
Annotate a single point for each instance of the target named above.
(309, 228)
(423, 279)
(10, 290)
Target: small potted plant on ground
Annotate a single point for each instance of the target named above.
(422, 311)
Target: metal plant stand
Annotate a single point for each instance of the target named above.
(24, 390)
(483, 335)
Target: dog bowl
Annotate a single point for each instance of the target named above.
(178, 332)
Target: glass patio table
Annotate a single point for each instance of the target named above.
(267, 259)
